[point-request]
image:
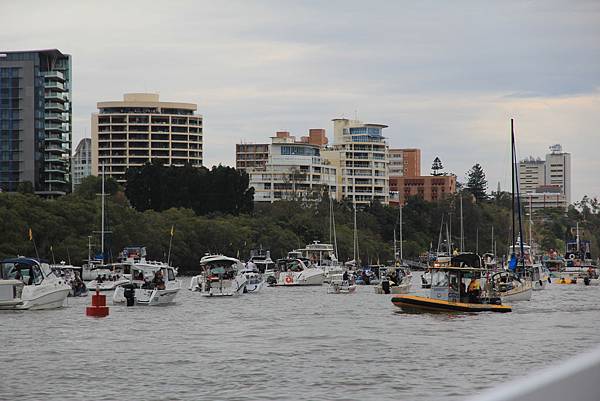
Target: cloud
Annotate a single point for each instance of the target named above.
(445, 77)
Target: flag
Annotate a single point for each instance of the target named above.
(172, 230)
(30, 235)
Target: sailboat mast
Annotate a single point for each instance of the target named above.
(395, 250)
(102, 233)
(518, 195)
(512, 151)
(355, 239)
(462, 237)
(401, 233)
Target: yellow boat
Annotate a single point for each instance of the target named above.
(449, 290)
(414, 303)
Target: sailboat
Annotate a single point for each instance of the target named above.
(515, 283)
(395, 279)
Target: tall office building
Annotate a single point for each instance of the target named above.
(35, 120)
(81, 164)
(139, 129)
(558, 170)
(359, 153)
(546, 183)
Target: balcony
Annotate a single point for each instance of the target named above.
(54, 85)
(55, 96)
(55, 75)
(55, 117)
(54, 106)
(54, 127)
(54, 139)
(55, 149)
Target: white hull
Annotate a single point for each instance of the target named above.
(224, 288)
(539, 285)
(344, 289)
(49, 299)
(517, 294)
(395, 289)
(147, 297)
(106, 285)
(254, 288)
(310, 276)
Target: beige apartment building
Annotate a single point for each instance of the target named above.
(359, 153)
(141, 128)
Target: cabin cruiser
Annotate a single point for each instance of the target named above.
(72, 276)
(341, 285)
(221, 277)
(322, 256)
(449, 290)
(369, 275)
(534, 270)
(26, 283)
(151, 283)
(108, 277)
(394, 280)
(254, 279)
(295, 272)
(263, 262)
(510, 287)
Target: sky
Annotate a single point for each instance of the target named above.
(446, 76)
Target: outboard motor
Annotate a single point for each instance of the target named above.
(385, 286)
(129, 294)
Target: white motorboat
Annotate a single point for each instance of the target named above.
(338, 285)
(323, 257)
(394, 280)
(108, 277)
(25, 283)
(222, 277)
(294, 272)
(151, 283)
(510, 287)
(254, 279)
(72, 276)
(262, 260)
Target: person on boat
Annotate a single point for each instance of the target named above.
(251, 266)
(140, 276)
(99, 279)
(158, 281)
(345, 276)
(473, 290)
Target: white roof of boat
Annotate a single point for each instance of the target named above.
(218, 258)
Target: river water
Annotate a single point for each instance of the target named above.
(287, 343)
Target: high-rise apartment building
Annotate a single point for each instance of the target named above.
(141, 128)
(294, 170)
(81, 163)
(404, 162)
(546, 183)
(359, 152)
(35, 120)
(558, 170)
(251, 155)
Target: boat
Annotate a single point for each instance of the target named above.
(254, 279)
(511, 287)
(221, 277)
(263, 262)
(394, 280)
(295, 272)
(27, 283)
(369, 275)
(108, 277)
(448, 291)
(535, 271)
(322, 256)
(341, 285)
(151, 283)
(72, 276)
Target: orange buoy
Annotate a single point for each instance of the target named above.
(98, 308)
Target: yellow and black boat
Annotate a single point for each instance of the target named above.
(451, 290)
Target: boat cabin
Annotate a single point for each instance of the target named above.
(220, 267)
(318, 253)
(28, 270)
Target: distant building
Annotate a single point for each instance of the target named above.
(404, 162)
(251, 155)
(293, 170)
(359, 152)
(429, 188)
(35, 121)
(81, 163)
(546, 183)
(141, 128)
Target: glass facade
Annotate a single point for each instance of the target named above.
(287, 150)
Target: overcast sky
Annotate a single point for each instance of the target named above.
(445, 76)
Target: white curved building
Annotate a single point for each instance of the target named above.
(139, 129)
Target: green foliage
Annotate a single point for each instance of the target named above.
(476, 182)
(157, 187)
(66, 222)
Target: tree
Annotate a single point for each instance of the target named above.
(437, 167)
(476, 182)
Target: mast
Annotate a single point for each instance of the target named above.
(530, 224)
(577, 239)
(400, 234)
(355, 236)
(334, 233)
(89, 250)
(518, 195)
(440, 235)
(448, 238)
(512, 150)
(462, 238)
(102, 232)
(395, 251)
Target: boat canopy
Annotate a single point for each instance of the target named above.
(466, 260)
(217, 259)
